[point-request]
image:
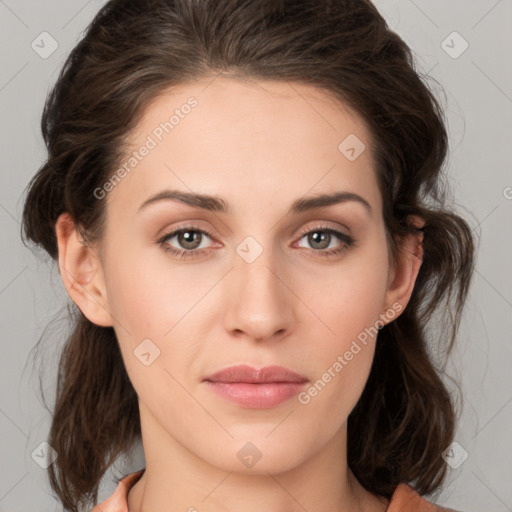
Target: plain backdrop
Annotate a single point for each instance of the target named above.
(464, 45)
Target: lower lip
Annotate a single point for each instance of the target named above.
(257, 396)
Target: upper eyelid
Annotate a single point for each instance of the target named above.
(192, 227)
(323, 226)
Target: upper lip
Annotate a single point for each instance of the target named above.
(248, 374)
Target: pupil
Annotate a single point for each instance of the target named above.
(188, 237)
(318, 237)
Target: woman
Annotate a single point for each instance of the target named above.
(244, 202)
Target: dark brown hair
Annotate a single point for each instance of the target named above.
(134, 50)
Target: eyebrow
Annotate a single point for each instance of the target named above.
(217, 204)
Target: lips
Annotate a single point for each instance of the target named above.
(250, 375)
(254, 388)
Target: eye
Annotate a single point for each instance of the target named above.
(320, 238)
(189, 238)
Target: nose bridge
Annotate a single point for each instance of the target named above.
(260, 304)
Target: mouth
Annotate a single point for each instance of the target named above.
(253, 388)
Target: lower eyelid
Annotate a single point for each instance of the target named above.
(343, 238)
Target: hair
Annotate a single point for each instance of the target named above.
(133, 51)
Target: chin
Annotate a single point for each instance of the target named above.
(258, 454)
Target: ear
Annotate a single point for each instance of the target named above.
(81, 272)
(402, 277)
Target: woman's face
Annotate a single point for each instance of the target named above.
(261, 275)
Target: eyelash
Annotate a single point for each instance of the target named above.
(347, 240)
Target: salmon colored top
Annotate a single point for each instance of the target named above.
(404, 499)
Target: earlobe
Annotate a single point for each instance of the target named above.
(402, 277)
(81, 272)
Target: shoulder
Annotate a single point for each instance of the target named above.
(117, 502)
(406, 499)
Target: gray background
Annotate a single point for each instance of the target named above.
(478, 102)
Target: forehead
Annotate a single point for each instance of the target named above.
(225, 100)
(226, 136)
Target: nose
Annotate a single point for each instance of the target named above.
(260, 305)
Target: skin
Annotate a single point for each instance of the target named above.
(260, 146)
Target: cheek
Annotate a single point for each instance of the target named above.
(149, 297)
(347, 306)
(348, 299)
(156, 314)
